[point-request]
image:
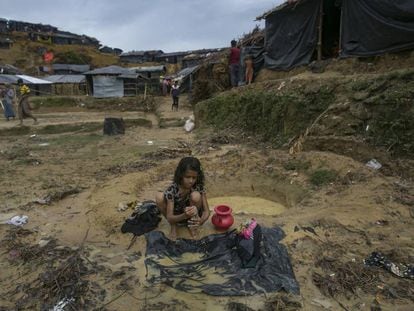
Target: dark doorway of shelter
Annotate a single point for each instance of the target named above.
(331, 26)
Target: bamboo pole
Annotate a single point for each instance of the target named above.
(340, 31)
(320, 31)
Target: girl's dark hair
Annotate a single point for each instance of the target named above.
(189, 163)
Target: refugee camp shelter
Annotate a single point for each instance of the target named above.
(37, 86)
(67, 84)
(109, 50)
(65, 69)
(152, 76)
(140, 56)
(63, 38)
(6, 43)
(3, 25)
(104, 82)
(301, 30)
(135, 84)
(185, 78)
(150, 72)
(171, 58)
(9, 69)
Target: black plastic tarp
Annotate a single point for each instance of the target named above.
(216, 268)
(291, 35)
(376, 27)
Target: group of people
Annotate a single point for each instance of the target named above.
(7, 100)
(234, 66)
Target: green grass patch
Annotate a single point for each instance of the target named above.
(18, 130)
(171, 122)
(55, 101)
(322, 177)
(269, 115)
(64, 128)
(296, 165)
(138, 122)
(76, 141)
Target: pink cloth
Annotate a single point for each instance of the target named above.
(247, 233)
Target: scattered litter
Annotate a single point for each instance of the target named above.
(189, 124)
(382, 222)
(18, 220)
(374, 164)
(33, 136)
(122, 207)
(150, 142)
(43, 243)
(44, 144)
(379, 260)
(367, 128)
(322, 302)
(62, 304)
(281, 86)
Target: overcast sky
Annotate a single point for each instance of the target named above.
(169, 25)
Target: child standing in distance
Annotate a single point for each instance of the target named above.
(175, 93)
(248, 62)
(184, 202)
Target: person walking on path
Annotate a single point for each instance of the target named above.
(234, 63)
(175, 93)
(8, 97)
(24, 108)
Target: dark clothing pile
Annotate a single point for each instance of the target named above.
(145, 218)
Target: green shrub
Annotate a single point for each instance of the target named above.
(322, 177)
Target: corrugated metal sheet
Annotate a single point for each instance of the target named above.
(32, 80)
(26, 79)
(76, 68)
(132, 76)
(8, 79)
(110, 70)
(66, 78)
(186, 72)
(104, 86)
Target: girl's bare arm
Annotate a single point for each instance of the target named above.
(173, 219)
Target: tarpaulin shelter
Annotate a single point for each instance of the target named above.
(37, 86)
(300, 29)
(186, 78)
(104, 82)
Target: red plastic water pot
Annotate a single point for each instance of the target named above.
(222, 218)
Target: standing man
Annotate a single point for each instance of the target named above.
(234, 63)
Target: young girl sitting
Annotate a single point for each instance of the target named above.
(185, 202)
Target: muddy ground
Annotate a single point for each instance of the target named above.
(77, 186)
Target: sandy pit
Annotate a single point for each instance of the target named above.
(92, 183)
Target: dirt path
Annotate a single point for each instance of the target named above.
(95, 180)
